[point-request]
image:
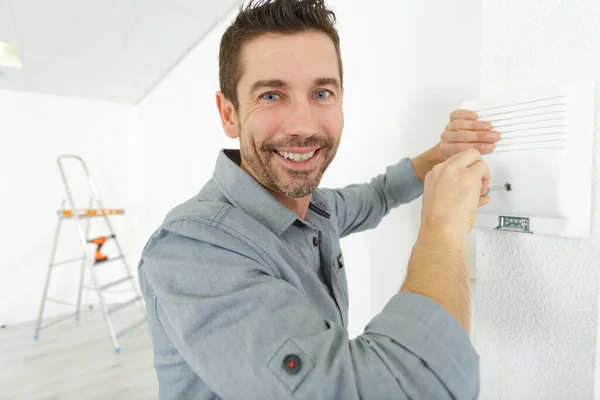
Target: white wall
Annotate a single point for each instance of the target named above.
(407, 66)
(536, 297)
(34, 130)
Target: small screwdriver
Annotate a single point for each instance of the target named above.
(507, 187)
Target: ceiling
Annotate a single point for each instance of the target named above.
(112, 50)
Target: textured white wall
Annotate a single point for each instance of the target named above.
(536, 297)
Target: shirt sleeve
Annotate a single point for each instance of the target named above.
(359, 207)
(251, 334)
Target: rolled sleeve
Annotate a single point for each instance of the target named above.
(417, 324)
(404, 184)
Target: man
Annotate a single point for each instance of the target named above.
(245, 283)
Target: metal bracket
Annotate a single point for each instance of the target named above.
(513, 224)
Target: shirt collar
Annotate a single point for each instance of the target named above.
(243, 191)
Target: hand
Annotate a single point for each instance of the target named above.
(453, 192)
(464, 132)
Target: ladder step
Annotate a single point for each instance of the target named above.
(115, 283)
(60, 302)
(67, 261)
(108, 260)
(121, 306)
(86, 213)
(130, 327)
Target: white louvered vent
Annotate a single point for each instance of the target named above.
(544, 159)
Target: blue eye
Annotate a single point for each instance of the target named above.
(270, 96)
(324, 94)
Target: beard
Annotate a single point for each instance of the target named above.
(294, 184)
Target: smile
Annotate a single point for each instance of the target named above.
(297, 157)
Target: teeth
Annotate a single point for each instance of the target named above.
(296, 156)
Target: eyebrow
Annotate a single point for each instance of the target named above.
(279, 84)
(327, 81)
(271, 83)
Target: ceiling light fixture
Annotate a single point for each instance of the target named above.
(8, 56)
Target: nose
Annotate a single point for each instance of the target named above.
(301, 119)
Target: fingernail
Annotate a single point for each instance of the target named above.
(493, 136)
(488, 146)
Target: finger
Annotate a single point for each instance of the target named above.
(465, 158)
(463, 114)
(480, 170)
(484, 201)
(470, 136)
(485, 186)
(454, 148)
(466, 125)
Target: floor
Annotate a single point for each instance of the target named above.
(76, 361)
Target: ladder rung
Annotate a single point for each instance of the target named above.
(115, 283)
(111, 291)
(121, 306)
(60, 302)
(108, 260)
(130, 327)
(67, 261)
(91, 212)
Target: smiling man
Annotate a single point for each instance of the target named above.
(290, 128)
(245, 283)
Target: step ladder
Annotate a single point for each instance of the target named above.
(92, 257)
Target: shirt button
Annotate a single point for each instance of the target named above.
(315, 241)
(292, 364)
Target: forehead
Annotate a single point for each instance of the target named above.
(291, 56)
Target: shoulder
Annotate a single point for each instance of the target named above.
(207, 226)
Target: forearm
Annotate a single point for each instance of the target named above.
(438, 269)
(424, 162)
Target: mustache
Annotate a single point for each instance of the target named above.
(313, 141)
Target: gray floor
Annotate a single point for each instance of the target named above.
(77, 361)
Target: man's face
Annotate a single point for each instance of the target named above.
(290, 116)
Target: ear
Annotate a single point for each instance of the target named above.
(229, 118)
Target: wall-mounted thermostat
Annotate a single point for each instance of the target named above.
(542, 165)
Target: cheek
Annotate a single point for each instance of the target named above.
(262, 126)
(332, 122)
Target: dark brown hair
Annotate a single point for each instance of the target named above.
(270, 16)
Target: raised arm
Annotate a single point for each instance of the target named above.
(360, 207)
(438, 267)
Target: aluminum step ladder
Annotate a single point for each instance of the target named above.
(92, 258)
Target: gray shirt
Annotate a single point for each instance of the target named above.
(245, 300)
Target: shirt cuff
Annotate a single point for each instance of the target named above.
(430, 332)
(404, 184)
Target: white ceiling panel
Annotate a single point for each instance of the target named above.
(113, 50)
